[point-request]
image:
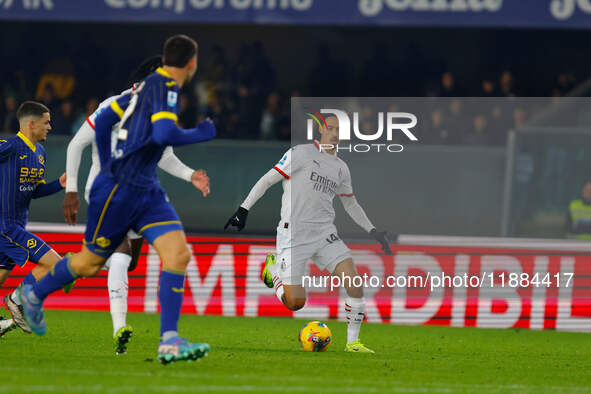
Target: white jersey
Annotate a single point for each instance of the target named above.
(312, 179)
(85, 136)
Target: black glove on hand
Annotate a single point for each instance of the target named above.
(381, 237)
(238, 219)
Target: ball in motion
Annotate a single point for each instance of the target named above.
(315, 337)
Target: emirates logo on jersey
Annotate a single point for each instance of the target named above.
(323, 184)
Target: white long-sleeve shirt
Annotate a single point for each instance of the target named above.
(311, 179)
(85, 136)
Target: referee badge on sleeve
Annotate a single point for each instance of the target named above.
(172, 98)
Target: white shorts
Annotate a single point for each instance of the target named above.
(326, 254)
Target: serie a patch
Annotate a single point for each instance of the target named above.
(172, 98)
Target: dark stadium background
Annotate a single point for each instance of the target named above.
(247, 74)
(504, 147)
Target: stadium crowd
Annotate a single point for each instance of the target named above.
(241, 93)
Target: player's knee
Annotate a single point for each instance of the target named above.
(177, 259)
(86, 263)
(295, 304)
(89, 269)
(184, 256)
(40, 270)
(45, 265)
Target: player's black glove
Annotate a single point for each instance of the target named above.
(238, 219)
(382, 238)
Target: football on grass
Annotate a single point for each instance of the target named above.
(315, 337)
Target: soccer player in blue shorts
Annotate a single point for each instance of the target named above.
(127, 254)
(22, 173)
(126, 195)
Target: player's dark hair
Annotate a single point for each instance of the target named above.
(147, 67)
(316, 127)
(179, 50)
(31, 108)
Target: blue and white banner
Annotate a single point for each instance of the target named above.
(488, 13)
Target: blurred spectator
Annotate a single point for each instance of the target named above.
(270, 118)
(455, 122)
(578, 217)
(519, 117)
(479, 134)
(19, 84)
(368, 120)
(328, 77)
(217, 70)
(448, 85)
(212, 85)
(436, 132)
(10, 122)
(488, 88)
(499, 124)
(187, 112)
(238, 88)
(506, 84)
(246, 117)
(48, 98)
(263, 75)
(63, 119)
(59, 75)
(565, 82)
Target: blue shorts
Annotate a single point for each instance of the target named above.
(115, 209)
(17, 246)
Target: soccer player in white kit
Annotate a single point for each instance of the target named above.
(312, 176)
(125, 258)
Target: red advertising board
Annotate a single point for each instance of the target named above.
(418, 284)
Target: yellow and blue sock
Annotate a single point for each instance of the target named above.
(172, 288)
(59, 275)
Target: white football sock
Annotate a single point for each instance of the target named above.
(118, 283)
(277, 283)
(355, 312)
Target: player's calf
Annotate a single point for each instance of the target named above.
(45, 264)
(86, 263)
(294, 297)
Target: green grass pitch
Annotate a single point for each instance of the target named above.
(262, 355)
